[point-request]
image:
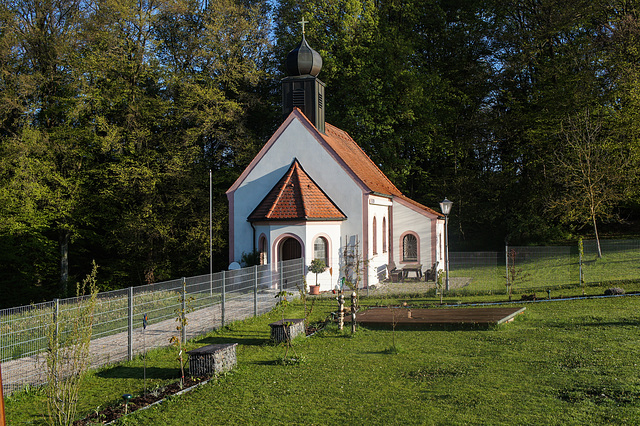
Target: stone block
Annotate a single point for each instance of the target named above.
(287, 329)
(212, 359)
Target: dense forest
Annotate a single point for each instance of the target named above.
(113, 112)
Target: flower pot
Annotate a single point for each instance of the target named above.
(314, 289)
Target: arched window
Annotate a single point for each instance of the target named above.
(384, 234)
(262, 248)
(409, 248)
(321, 249)
(375, 236)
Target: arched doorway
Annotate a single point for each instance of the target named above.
(290, 248)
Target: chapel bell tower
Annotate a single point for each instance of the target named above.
(302, 88)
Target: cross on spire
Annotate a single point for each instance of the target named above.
(303, 22)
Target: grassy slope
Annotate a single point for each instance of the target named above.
(549, 267)
(559, 363)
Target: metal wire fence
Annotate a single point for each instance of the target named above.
(620, 261)
(211, 301)
(542, 268)
(215, 300)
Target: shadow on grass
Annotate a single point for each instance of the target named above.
(258, 340)
(621, 323)
(388, 351)
(126, 372)
(431, 327)
(276, 362)
(37, 419)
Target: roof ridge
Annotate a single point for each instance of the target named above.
(296, 196)
(420, 205)
(296, 172)
(287, 178)
(333, 131)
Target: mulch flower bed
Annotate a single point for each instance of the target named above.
(114, 412)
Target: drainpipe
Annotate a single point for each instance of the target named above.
(254, 236)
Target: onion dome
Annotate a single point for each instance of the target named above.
(303, 60)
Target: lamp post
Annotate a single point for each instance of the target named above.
(445, 206)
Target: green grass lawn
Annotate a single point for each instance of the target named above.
(539, 268)
(571, 362)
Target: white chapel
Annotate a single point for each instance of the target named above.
(312, 192)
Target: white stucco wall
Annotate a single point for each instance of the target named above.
(407, 219)
(297, 142)
(331, 232)
(378, 208)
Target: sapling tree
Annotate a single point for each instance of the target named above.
(308, 310)
(281, 307)
(67, 357)
(594, 170)
(514, 273)
(354, 266)
(317, 267)
(181, 318)
(395, 312)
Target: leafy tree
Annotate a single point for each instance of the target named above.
(67, 357)
(547, 68)
(113, 116)
(592, 170)
(41, 137)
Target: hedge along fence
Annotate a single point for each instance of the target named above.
(118, 333)
(541, 268)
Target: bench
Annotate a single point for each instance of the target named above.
(395, 274)
(212, 359)
(431, 274)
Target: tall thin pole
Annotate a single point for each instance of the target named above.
(446, 250)
(210, 235)
(506, 262)
(2, 419)
(445, 206)
(130, 326)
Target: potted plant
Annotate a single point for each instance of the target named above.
(317, 267)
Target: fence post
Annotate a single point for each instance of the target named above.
(580, 252)
(184, 310)
(2, 419)
(130, 326)
(281, 276)
(302, 283)
(506, 262)
(224, 296)
(56, 315)
(255, 291)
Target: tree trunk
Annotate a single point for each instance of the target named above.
(595, 229)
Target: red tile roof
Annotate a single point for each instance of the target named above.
(358, 161)
(363, 167)
(347, 152)
(296, 196)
